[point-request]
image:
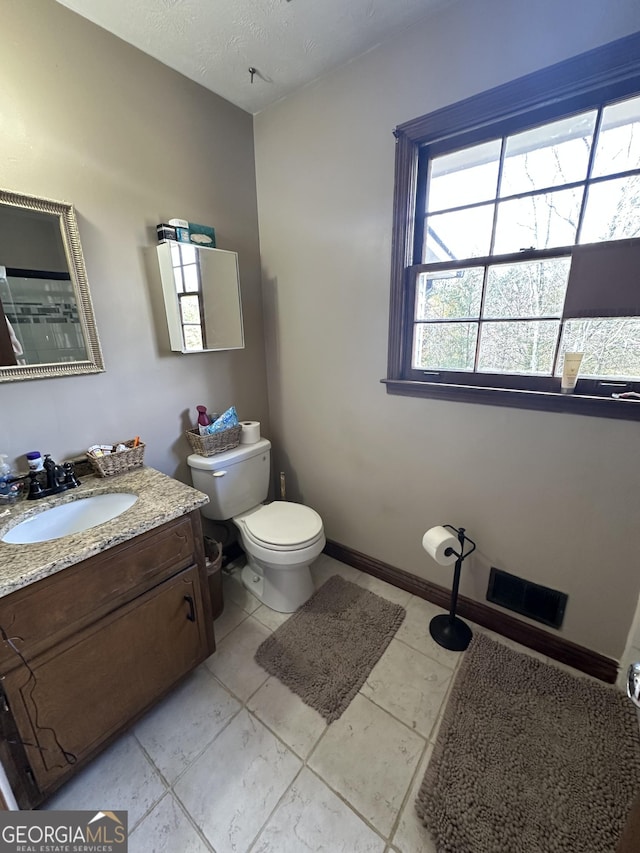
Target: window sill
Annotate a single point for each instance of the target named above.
(578, 404)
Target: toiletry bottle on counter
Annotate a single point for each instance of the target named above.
(5, 481)
(5, 468)
(34, 460)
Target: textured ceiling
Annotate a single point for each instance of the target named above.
(214, 42)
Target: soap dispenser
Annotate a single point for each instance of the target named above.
(6, 494)
(5, 471)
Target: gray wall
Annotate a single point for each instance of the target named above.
(550, 497)
(31, 241)
(89, 120)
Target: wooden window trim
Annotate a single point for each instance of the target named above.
(578, 404)
(576, 84)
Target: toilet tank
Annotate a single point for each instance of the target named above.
(235, 481)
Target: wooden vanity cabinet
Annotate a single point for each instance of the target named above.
(104, 640)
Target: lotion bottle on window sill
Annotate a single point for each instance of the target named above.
(572, 362)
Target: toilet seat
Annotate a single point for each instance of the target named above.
(283, 526)
(267, 546)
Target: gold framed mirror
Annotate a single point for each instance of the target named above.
(47, 324)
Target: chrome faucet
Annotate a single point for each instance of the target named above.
(58, 478)
(54, 474)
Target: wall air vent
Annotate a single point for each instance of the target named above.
(530, 599)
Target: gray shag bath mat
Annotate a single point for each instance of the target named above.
(326, 650)
(529, 759)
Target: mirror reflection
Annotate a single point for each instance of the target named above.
(46, 318)
(201, 290)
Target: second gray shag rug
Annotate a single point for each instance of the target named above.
(326, 650)
(529, 759)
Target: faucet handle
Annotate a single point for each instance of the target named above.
(70, 479)
(35, 489)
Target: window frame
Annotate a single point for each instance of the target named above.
(578, 84)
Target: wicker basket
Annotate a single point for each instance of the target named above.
(118, 463)
(217, 442)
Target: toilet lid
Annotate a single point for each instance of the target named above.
(284, 523)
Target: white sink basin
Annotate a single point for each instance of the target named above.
(73, 517)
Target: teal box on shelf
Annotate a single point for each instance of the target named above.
(202, 235)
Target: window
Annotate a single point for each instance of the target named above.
(188, 281)
(517, 239)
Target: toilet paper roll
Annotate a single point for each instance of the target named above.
(250, 432)
(436, 541)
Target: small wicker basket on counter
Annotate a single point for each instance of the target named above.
(119, 462)
(217, 442)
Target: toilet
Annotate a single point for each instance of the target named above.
(280, 539)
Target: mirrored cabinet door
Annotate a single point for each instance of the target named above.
(201, 288)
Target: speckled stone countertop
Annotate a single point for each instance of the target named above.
(160, 499)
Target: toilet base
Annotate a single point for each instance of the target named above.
(252, 581)
(282, 589)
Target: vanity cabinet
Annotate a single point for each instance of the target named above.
(103, 640)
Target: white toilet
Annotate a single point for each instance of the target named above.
(280, 539)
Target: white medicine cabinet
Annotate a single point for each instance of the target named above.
(201, 288)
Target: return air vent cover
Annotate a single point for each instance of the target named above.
(530, 599)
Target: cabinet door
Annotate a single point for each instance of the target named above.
(87, 688)
(48, 611)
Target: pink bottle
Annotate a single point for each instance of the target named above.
(203, 419)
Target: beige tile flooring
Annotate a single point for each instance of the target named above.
(232, 761)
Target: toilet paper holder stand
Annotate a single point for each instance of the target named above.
(448, 630)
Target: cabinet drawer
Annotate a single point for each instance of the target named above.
(45, 612)
(91, 685)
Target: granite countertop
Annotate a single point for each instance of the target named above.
(160, 499)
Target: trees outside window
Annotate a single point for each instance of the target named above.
(494, 197)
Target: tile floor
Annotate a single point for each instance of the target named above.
(232, 761)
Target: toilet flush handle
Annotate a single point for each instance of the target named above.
(219, 473)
